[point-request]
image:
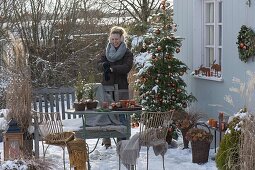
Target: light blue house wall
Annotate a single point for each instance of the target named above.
(235, 14)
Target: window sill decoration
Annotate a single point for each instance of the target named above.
(246, 43)
(213, 73)
(207, 77)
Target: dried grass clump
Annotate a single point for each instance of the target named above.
(247, 145)
(39, 164)
(19, 100)
(18, 92)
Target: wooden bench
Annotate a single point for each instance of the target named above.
(50, 100)
(54, 100)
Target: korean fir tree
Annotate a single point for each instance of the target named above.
(160, 82)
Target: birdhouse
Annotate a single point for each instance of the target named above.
(13, 141)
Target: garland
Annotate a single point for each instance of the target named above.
(246, 43)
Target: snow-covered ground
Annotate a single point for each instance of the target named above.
(102, 159)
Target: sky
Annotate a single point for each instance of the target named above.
(107, 159)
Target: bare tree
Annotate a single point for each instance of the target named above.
(140, 10)
(52, 31)
(5, 6)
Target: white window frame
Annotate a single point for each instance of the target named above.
(217, 33)
(199, 34)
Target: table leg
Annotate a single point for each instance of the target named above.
(215, 139)
(84, 126)
(128, 126)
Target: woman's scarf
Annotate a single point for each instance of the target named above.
(112, 54)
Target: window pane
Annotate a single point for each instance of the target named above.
(220, 35)
(209, 35)
(220, 12)
(209, 10)
(209, 56)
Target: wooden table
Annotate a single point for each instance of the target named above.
(102, 131)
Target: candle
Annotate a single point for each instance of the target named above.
(210, 122)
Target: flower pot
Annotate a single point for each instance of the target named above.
(79, 106)
(124, 103)
(91, 105)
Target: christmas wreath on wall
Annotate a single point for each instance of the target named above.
(246, 43)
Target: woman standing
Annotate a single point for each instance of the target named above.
(115, 64)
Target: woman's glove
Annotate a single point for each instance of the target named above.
(107, 74)
(107, 70)
(106, 65)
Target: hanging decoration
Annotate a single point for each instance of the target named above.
(246, 43)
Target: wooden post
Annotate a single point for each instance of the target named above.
(36, 133)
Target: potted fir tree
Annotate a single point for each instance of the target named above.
(79, 104)
(90, 93)
(159, 78)
(159, 83)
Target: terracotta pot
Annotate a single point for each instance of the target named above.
(79, 106)
(91, 105)
(124, 103)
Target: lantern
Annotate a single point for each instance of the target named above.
(13, 141)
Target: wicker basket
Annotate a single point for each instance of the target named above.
(59, 138)
(200, 151)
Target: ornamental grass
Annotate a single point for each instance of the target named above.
(18, 92)
(247, 145)
(227, 156)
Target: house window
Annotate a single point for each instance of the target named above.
(207, 41)
(212, 32)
